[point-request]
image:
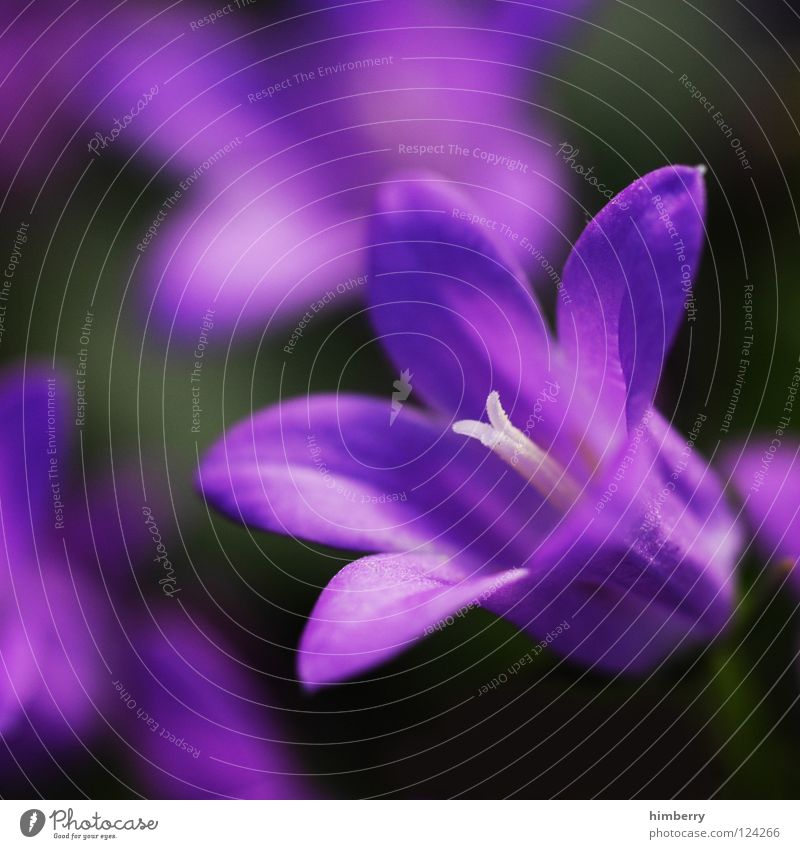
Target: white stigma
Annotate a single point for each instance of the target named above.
(521, 453)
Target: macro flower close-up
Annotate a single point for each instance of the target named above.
(399, 407)
(568, 499)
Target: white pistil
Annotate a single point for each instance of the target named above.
(521, 453)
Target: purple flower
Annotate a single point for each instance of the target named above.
(537, 480)
(52, 670)
(194, 724)
(264, 142)
(74, 623)
(766, 474)
(193, 717)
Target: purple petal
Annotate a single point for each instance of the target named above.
(645, 570)
(350, 471)
(73, 72)
(627, 281)
(766, 474)
(450, 305)
(195, 724)
(448, 76)
(33, 409)
(53, 669)
(624, 609)
(51, 617)
(257, 242)
(378, 606)
(250, 255)
(672, 463)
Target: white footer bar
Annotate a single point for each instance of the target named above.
(402, 824)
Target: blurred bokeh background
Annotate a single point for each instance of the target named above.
(267, 224)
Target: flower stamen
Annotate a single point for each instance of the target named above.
(546, 475)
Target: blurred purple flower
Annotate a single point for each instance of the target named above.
(52, 669)
(195, 726)
(766, 474)
(194, 718)
(612, 522)
(74, 621)
(267, 143)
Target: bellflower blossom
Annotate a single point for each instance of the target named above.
(538, 481)
(263, 139)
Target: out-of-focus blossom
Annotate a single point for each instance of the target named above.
(266, 140)
(766, 474)
(574, 510)
(87, 655)
(194, 725)
(52, 668)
